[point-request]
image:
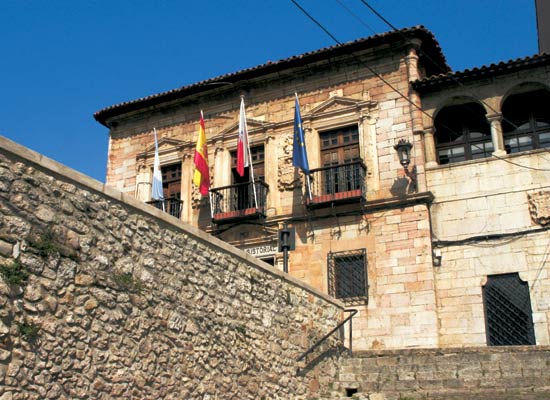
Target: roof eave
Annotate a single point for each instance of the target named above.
(102, 116)
(456, 78)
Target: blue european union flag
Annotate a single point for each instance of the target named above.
(299, 154)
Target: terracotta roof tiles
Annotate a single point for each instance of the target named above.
(436, 82)
(430, 47)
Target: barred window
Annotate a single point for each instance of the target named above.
(508, 314)
(347, 276)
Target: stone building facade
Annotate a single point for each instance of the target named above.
(491, 196)
(403, 246)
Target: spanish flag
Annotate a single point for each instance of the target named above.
(201, 177)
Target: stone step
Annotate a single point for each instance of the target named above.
(541, 394)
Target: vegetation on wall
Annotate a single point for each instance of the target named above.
(14, 273)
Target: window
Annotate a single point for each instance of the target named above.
(257, 155)
(462, 133)
(526, 121)
(241, 195)
(508, 313)
(171, 189)
(171, 181)
(341, 162)
(347, 275)
(339, 146)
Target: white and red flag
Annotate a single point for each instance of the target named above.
(242, 144)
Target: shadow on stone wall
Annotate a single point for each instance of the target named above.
(105, 297)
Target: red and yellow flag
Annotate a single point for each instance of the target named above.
(201, 177)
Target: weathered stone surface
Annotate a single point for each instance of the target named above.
(169, 314)
(6, 249)
(468, 373)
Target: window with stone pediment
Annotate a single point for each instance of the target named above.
(340, 159)
(171, 189)
(526, 121)
(462, 133)
(242, 194)
(257, 156)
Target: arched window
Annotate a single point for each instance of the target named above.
(526, 121)
(462, 133)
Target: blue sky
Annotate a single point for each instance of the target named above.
(62, 60)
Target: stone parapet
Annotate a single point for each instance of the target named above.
(508, 372)
(105, 297)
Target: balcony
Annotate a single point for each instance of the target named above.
(338, 184)
(237, 202)
(171, 206)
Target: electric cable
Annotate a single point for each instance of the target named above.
(375, 12)
(376, 74)
(438, 66)
(489, 237)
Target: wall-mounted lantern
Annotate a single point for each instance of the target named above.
(403, 148)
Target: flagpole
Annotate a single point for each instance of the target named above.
(209, 192)
(156, 168)
(250, 160)
(301, 129)
(308, 184)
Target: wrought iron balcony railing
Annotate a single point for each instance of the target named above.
(171, 206)
(239, 201)
(344, 183)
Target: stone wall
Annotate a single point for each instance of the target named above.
(489, 197)
(511, 373)
(401, 305)
(104, 297)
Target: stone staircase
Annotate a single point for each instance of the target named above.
(488, 373)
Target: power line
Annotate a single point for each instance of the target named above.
(316, 22)
(356, 16)
(457, 81)
(390, 85)
(363, 63)
(427, 56)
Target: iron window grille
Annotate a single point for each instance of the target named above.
(508, 314)
(347, 276)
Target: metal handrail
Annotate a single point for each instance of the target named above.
(236, 185)
(320, 341)
(342, 182)
(239, 197)
(345, 164)
(170, 205)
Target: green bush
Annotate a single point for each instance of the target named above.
(29, 331)
(14, 273)
(127, 281)
(46, 244)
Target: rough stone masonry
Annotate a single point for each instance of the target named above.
(104, 297)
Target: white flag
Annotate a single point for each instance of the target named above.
(242, 144)
(157, 174)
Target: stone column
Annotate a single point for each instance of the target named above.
(429, 147)
(187, 187)
(411, 60)
(143, 182)
(367, 129)
(496, 134)
(222, 165)
(271, 169)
